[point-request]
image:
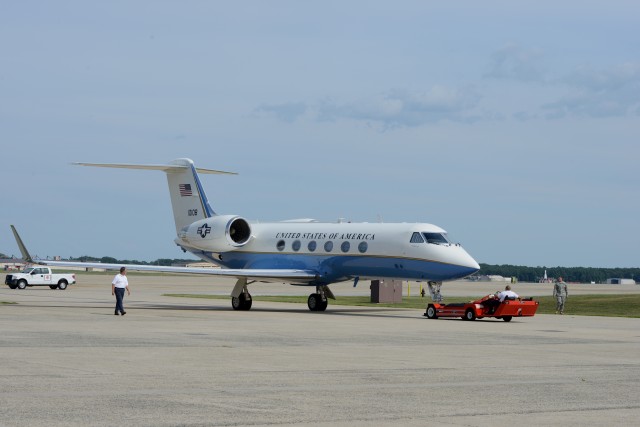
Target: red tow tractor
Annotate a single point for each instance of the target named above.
(505, 310)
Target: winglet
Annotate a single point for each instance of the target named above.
(23, 248)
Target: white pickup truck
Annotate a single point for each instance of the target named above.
(39, 276)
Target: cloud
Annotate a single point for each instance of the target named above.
(588, 92)
(287, 112)
(396, 108)
(515, 63)
(615, 78)
(399, 108)
(523, 116)
(599, 93)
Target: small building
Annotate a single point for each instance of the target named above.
(8, 264)
(619, 281)
(493, 278)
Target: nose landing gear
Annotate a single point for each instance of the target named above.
(434, 291)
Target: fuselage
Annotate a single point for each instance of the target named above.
(343, 251)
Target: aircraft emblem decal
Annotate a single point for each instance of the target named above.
(185, 190)
(204, 230)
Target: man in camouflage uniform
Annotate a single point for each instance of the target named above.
(561, 293)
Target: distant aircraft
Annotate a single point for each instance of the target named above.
(299, 252)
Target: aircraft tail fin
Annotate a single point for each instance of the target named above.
(188, 199)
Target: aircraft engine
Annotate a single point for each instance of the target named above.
(221, 233)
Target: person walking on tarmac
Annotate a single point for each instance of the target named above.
(561, 292)
(118, 286)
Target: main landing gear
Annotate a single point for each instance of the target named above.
(319, 301)
(240, 296)
(242, 302)
(316, 303)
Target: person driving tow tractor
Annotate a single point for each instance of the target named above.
(493, 301)
(507, 294)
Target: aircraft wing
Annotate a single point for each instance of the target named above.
(269, 275)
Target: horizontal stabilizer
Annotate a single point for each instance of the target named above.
(188, 198)
(164, 168)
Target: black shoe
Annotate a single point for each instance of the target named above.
(115, 314)
(123, 312)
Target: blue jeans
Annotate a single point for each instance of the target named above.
(119, 298)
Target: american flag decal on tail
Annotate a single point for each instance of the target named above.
(185, 190)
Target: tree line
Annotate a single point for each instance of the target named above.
(569, 274)
(165, 262)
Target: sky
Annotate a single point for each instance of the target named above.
(515, 126)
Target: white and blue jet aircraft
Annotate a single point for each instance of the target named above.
(299, 252)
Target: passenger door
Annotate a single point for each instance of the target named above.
(41, 276)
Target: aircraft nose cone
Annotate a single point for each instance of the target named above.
(471, 264)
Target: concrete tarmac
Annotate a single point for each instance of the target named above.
(67, 360)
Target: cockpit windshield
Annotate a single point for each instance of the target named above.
(416, 238)
(436, 238)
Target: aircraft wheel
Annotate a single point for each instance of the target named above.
(62, 285)
(241, 302)
(507, 318)
(314, 302)
(431, 312)
(53, 286)
(323, 305)
(22, 284)
(469, 315)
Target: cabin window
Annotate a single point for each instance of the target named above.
(362, 247)
(344, 247)
(280, 245)
(416, 238)
(312, 246)
(328, 246)
(296, 245)
(436, 238)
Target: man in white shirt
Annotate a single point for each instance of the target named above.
(507, 294)
(118, 286)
